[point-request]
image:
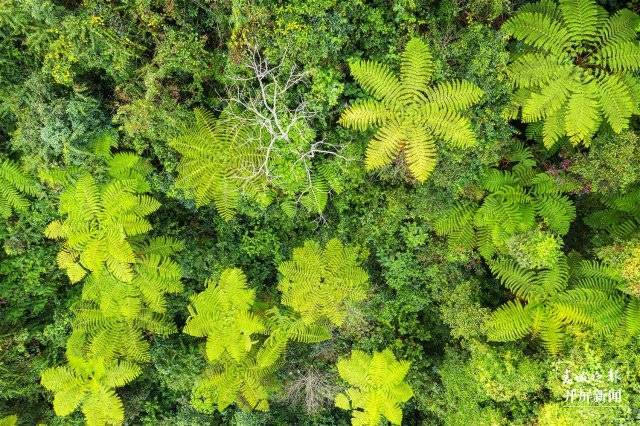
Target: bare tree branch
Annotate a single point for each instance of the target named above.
(269, 102)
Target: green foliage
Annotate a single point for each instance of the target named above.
(534, 249)
(377, 387)
(410, 116)
(222, 314)
(79, 79)
(90, 386)
(319, 285)
(518, 202)
(463, 399)
(100, 218)
(323, 282)
(505, 375)
(14, 184)
(550, 304)
(578, 69)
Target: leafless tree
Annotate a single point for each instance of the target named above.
(268, 100)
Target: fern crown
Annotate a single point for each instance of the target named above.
(516, 199)
(99, 220)
(377, 387)
(547, 300)
(222, 314)
(323, 282)
(408, 113)
(224, 160)
(91, 389)
(578, 69)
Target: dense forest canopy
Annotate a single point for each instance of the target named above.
(319, 212)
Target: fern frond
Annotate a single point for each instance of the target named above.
(449, 126)
(619, 56)
(317, 195)
(364, 114)
(551, 332)
(583, 114)
(538, 30)
(455, 95)
(545, 7)
(581, 18)
(548, 100)
(557, 211)
(515, 278)
(14, 185)
(416, 69)
(554, 127)
(632, 317)
(535, 69)
(457, 224)
(621, 26)
(510, 321)
(421, 153)
(385, 145)
(377, 79)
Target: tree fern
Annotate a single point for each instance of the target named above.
(376, 387)
(218, 158)
(518, 201)
(99, 220)
(90, 387)
(14, 186)
(222, 313)
(578, 71)
(109, 330)
(321, 283)
(545, 303)
(228, 158)
(410, 115)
